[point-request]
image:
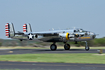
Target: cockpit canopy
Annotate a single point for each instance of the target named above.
(79, 30)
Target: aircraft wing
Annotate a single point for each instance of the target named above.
(27, 29)
(47, 32)
(27, 32)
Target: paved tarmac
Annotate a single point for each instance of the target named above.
(35, 51)
(49, 66)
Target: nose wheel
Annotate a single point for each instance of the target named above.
(67, 46)
(86, 47)
(53, 47)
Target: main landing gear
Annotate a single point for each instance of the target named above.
(53, 46)
(86, 47)
(67, 46)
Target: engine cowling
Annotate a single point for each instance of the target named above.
(30, 36)
(65, 35)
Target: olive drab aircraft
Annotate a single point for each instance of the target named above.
(54, 36)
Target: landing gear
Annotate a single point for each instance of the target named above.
(53, 47)
(86, 47)
(67, 46)
(21, 40)
(76, 42)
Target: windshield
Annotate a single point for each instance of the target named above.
(79, 30)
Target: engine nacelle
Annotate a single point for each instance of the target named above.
(30, 36)
(65, 35)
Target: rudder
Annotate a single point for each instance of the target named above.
(9, 30)
(27, 28)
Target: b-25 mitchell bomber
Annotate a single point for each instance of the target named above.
(51, 36)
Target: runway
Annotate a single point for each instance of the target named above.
(49, 66)
(36, 51)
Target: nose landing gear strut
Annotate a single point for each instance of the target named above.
(86, 47)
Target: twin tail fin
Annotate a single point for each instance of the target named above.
(9, 30)
(27, 28)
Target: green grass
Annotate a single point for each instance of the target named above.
(59, 58)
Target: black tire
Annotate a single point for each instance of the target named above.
(87, 48)
(67, 47)
(53, 47)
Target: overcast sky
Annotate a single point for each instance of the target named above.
(47, 14)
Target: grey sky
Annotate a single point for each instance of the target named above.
(47, 14)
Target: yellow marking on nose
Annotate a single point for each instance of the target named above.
(85, 37)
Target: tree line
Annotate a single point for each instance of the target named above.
(8, 42)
